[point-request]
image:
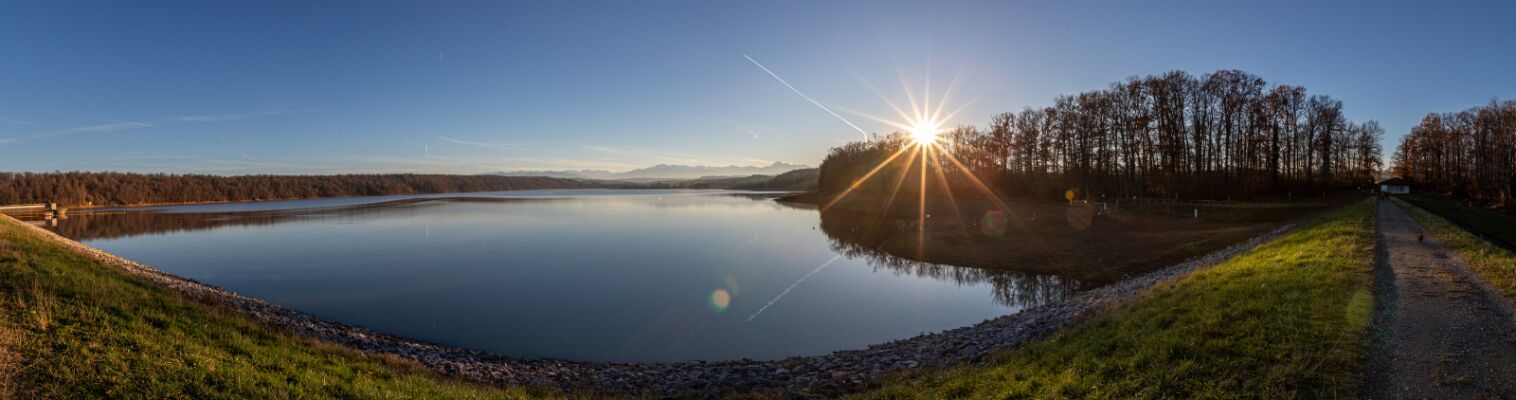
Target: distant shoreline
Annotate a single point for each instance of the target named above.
(190, 203)
(86, 190)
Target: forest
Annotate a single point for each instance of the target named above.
(1223, 135)
(116, 188)
(1468, 154)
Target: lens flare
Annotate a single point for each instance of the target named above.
(720, 300)
(993, 223)
(732, 286)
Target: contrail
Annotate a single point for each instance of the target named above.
(792, 286)
(808, 98)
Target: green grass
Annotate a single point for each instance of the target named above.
(1486, 222)
(74, 328)
(1240, 213)
(1497, 265)
(1286, 320)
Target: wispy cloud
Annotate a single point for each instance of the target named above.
(241, 165)
(205, 118)
(479, 144)
(233, 117)
(757, 131)
(368, 163)
(97, 128)
(633, 155)
(105, 127)
(138, 157)
(17, 122)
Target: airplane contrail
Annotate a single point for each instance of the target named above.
(792, 287)
(807, 98)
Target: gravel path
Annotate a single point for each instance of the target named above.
(1440, 331)
(827, 375)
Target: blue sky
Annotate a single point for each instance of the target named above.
(468, 87)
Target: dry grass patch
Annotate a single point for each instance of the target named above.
(11, 362)
(1492, 262)
(11, 337)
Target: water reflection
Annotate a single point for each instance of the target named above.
(113, 224)
(606, 278)
(856, 235)
(853, 234)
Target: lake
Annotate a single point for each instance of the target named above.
(591, 275)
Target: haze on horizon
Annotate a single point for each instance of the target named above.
(294, 87)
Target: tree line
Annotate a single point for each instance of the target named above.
(1227, 134)
(1469, 154)
(116, 188)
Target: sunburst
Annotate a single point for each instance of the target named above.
(924, 132)
(923, 125)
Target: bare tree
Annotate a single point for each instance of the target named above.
(1221, 135)
(1470, 153)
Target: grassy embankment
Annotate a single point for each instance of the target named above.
(1288, 319)
(1497, 265)
(1483, 221)
(71, 327)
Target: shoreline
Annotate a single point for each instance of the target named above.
(824, 375)
(462, 194)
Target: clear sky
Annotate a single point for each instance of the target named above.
(234, 87)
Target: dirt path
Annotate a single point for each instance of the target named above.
(1440, 332)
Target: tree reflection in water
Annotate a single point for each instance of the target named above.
(111, 224)
(856, 235)
(860, 235)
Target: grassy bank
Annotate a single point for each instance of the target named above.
(1286, 320)
(1495, 264)
(1500, 226)
(1094, 243)
(71, 327)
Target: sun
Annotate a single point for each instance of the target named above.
(925, 131)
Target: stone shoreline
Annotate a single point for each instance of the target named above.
(797, 377)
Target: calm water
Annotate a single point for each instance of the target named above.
(581, 275)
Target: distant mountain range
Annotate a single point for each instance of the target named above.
(666, 171)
